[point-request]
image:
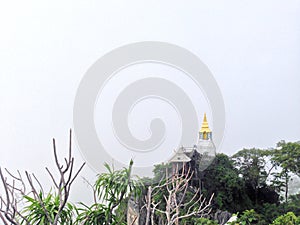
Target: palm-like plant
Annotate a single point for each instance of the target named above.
(91, 215)
(43, 212)
(115, 186)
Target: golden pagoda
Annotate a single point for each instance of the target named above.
(205, 145)
(205, 133)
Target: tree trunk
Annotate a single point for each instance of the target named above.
(148, 205)
(286, 187)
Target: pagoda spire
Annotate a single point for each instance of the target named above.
(205, 133)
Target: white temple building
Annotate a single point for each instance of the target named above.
(205, 148)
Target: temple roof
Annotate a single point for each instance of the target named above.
(180, 156)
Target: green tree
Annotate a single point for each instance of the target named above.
(222, 178)
(286, 157)
(114, 187)
(293, 204)
(160, 171)
(270, 212)
(251, 164)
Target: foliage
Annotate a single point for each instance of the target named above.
(160, 171)
(287, 219)
(254, 170)
(251, 164)
(293, 204)
(91, 215)
(120, 216)
(115, 186)
(222, 178)
(36, 212)
(269, 212)
(249, 217)
(287, 157)
(250, 179)
(202, 221)
(242, 182)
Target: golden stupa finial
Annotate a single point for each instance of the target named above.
(205, 127)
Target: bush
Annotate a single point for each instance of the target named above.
(204, 221)
(35, 211)
(249, 217)
(91, 215)
(287, 219)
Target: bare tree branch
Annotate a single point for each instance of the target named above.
(9, 212)
(176, 188)
(93, 189)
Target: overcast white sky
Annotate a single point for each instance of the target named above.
(251, 47)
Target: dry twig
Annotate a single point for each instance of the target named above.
(9, 212)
